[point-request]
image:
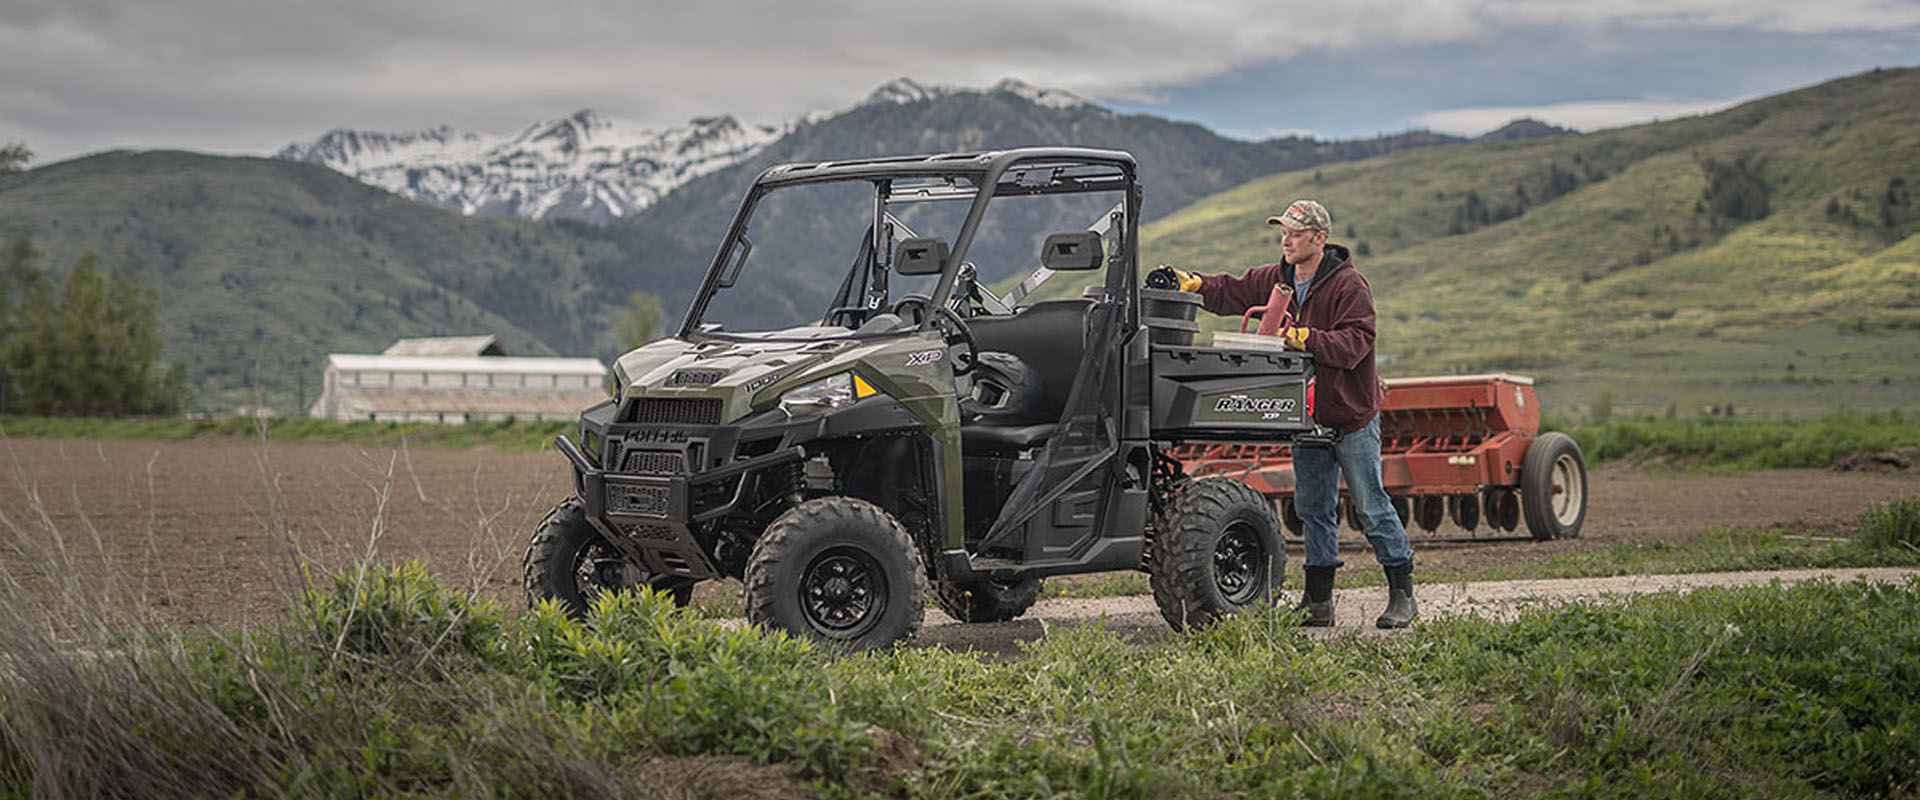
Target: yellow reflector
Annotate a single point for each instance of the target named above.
(863, 390)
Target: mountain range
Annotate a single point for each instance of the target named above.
(584, 166)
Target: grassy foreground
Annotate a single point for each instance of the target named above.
(389, 684)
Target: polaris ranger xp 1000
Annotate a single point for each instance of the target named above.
(848, 417)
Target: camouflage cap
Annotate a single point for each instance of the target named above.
(1304, 214)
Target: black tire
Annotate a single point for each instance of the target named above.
(986, 601)
(1553, 487)
(1220, 553)
(1429, 511)
(1403, 508)
(570, 563)
(840, 571)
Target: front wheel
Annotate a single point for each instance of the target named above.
(840, 571)
(569, 563)
(1220, 553)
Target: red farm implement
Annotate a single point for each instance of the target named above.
(1465, 449)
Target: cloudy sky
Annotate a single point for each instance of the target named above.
(249, 76)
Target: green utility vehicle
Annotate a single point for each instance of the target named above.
(842, 451)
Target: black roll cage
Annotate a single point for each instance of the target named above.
(1028, 171)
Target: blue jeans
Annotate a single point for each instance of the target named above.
(1316, 494)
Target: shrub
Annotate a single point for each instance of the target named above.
(399, 611)
(1892, 524)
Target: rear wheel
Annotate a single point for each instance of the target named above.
(570, 563)
(1553, 487)
(986, 600)
(838, 570)
(1220, 553)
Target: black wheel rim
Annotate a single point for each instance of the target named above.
(599, 568)
(843, 592)
(1239, 557)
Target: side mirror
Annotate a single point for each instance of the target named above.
(921, 255)
(1072, 250)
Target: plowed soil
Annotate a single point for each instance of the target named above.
(210, 532)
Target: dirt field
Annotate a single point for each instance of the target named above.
(208, 532)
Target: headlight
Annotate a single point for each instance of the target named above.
(829, 392)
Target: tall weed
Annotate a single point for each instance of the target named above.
(1892, 525)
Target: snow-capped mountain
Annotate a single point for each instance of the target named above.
(584, 166)
(908, 90)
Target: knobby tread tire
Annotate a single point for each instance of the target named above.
(1536, 486)
(986, 601)
(547, 569)
(1182, 574)
(781, 557)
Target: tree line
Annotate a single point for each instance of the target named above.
(89, 347)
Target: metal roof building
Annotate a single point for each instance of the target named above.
(456, 379)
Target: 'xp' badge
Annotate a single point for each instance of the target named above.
(924, 357)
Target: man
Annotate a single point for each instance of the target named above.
(1333, 320)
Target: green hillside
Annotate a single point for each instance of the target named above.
(264, 266)
(1767, 256)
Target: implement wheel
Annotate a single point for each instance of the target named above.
(1429, 511)
(1553, 487)
(1465, 511)
(1290, 516)
(1220, 553)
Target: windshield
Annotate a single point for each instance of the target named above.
(809, 264)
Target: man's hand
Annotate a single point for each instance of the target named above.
(1295, 338)
(1165, 277)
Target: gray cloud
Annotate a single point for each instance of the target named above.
(77, 75)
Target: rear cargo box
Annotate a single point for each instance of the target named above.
(1208, 393)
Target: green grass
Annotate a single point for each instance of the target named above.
(387, 684)
(1734, 445)
(509, 436)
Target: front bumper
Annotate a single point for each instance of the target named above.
(652, 516)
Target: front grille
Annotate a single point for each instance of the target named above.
(648, 500)
(653, 462)
(677, 411)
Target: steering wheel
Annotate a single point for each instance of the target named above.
(912, 307)
(965, 335)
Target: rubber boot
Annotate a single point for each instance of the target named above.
(1317, 600)
(1401, 607)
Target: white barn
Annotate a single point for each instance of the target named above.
(456, 379)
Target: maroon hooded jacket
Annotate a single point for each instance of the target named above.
(1339, 312)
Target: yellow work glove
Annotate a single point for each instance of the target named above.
(1165, 277)
(1295, 338)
